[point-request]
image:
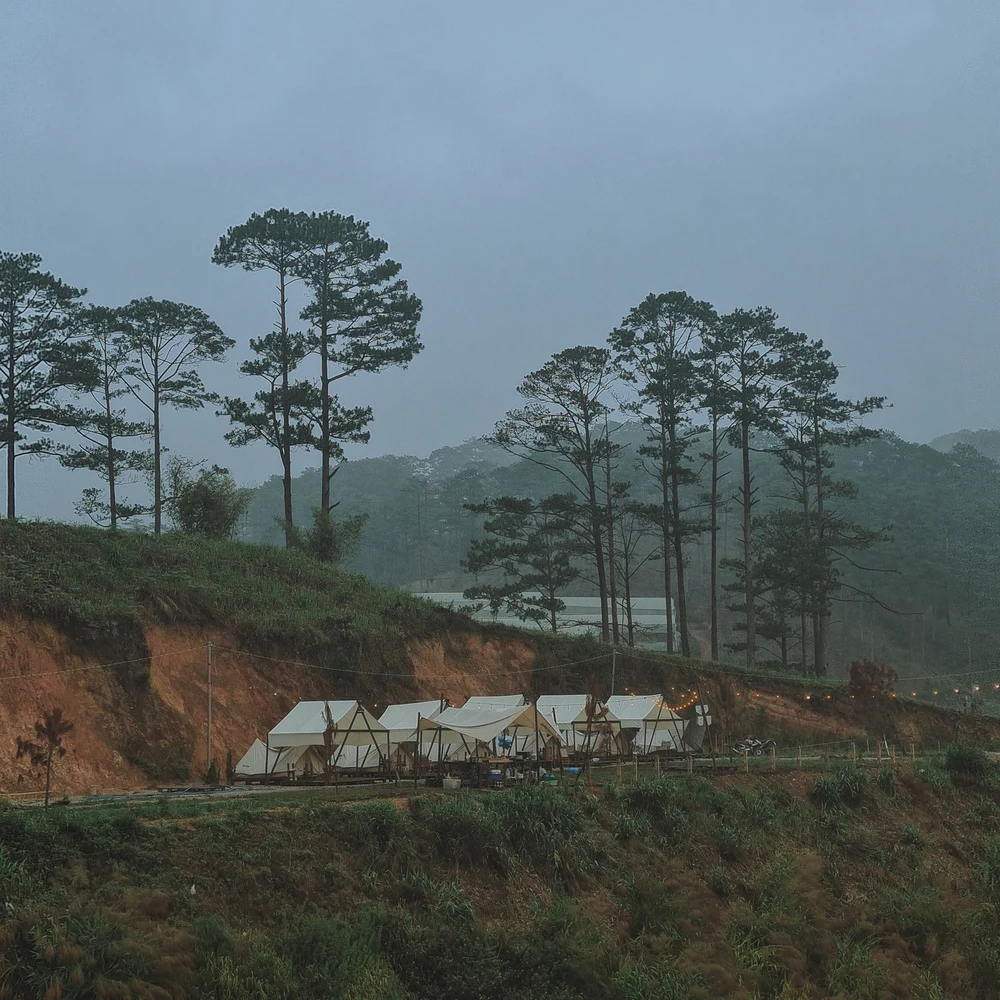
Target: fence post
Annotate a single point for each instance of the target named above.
(690, 764)
(657, 766)
(799, 758)
(774, 759)
(892, 754)
(878, 747)
(635, 769)
(854, 751)
(746, 763)
(618, 772)
(913, 751)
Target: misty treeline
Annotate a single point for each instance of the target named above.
(628, 458)
(92, 385)
(701, 385)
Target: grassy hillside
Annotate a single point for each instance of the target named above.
(851, 884)
(100, 582)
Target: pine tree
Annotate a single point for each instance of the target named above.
(561, 429)
(105, 426)
(41, 354)
(531, 545)
(166, 344)
(657, 347)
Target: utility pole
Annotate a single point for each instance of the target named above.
(208, 762)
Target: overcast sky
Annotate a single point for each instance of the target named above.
(537, 168)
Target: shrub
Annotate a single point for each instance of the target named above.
(628, 825)
(380, 828)
(935, 776)
(887, 780)
(845, 787)
(965, 761)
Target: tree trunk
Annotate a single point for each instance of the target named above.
(110, 443)
(819, 629)
(714, 558)
(157, 470)
(751, 622)
(612, 571)
(11, 415)
(678, 546)
(596, 516)
(628, 594)
(325, 457)
(667, 521)
(553, 621)
(804, 472)
(286, 414)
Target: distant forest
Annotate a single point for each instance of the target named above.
(934, 604)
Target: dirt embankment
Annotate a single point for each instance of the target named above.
(144, 723)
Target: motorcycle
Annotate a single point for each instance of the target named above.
(752, 747)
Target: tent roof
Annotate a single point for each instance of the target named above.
(639, 708)
(405, 716)
(571, 710)
(485, 724)
(496, 701)
(305, 725)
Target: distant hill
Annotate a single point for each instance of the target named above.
(986, 442)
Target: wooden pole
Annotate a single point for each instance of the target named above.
(854, 751)
(774, 759)
(635, 769)
(208, 761)
(798, 757)
(913, 751)
(657, 766)
(538, 749)
(690, 763)
(420, 747)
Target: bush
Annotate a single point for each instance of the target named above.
(887, 780)
(963, 761)
(845, 787)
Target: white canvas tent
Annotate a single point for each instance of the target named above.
(293, 762)
(465, 732)
(401, 723)
(254, 761)
(350, 724)
(568, 713)
(654, 726)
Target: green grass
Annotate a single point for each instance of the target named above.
(732, 889)
(98, 583)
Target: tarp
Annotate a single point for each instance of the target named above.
(496, 701)
(468, 726)
(306, 723)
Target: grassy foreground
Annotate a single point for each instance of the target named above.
(852, 885)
